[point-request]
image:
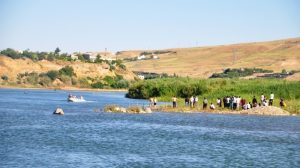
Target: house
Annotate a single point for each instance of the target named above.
(154, 56)
(141, 57)
(90, 56)
(142, 77)
(74, 56)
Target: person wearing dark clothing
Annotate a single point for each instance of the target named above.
(254, 101)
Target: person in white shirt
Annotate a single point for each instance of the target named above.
(219, 102)
(262, 98)
(238, 101)
(212, 106)
(271, 99)
(248, 106)
(192, 101)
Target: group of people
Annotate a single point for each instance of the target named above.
(230, 102)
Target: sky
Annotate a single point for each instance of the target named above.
(93, 25)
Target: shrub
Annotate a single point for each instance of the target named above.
(67, 71)
(120, 84)
(98, 85)
(45, 81)
(4, 77)
(11, 53)
(66, 79)
(53, 74)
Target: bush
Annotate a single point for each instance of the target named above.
(32, 78)
(4, 77)
(66, 79)
(45, 81)
(53, 74)
(184, 87)
(67, 71)
(120, 84)
(11, 53)
(98, 85)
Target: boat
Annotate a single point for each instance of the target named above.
(76, 99)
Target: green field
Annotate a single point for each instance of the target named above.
(164, 89)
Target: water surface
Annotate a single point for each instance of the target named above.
(32, 137)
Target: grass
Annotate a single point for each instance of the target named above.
(212, 89)
(204, 61)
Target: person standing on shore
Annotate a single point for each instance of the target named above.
(192, 102)
(219, 102)
(155, 102)
(196, 101)
(262, 98)
(174, 100)
(271, 99)
(205, 102)
(254, 101)
(186, 100)
(282, 103)
(151, 101)
(238, 102)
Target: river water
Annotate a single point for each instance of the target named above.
(31, 136)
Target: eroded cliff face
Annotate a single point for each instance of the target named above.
(12, 67)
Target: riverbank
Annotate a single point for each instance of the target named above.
(263, 110)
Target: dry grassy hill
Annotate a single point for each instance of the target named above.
(12, 67)
(203, 61)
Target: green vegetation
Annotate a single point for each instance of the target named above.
(4, 77)
(233, 73)
(214, 88)
(67, 71)
(35, 56)
(67, 76)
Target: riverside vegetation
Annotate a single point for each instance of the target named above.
(212, 89)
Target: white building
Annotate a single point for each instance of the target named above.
(141, 57)
(142, 77)
(74, 56)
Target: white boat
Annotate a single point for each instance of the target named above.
(75, 99)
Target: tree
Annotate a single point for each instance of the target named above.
(53, 74)
(98, 59)
(67, 70)
(57, 50)
(11, 53)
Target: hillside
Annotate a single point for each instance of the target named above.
(203, 61)
(12, 67)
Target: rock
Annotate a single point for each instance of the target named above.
(59, 111)
(123, 110)
(148, 110)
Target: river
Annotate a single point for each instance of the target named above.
(31, 136)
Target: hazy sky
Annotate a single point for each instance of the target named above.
(92, 25)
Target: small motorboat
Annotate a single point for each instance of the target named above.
(76, 99)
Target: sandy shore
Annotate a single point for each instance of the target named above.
(263, 110)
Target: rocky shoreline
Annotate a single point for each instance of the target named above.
(263, 110)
